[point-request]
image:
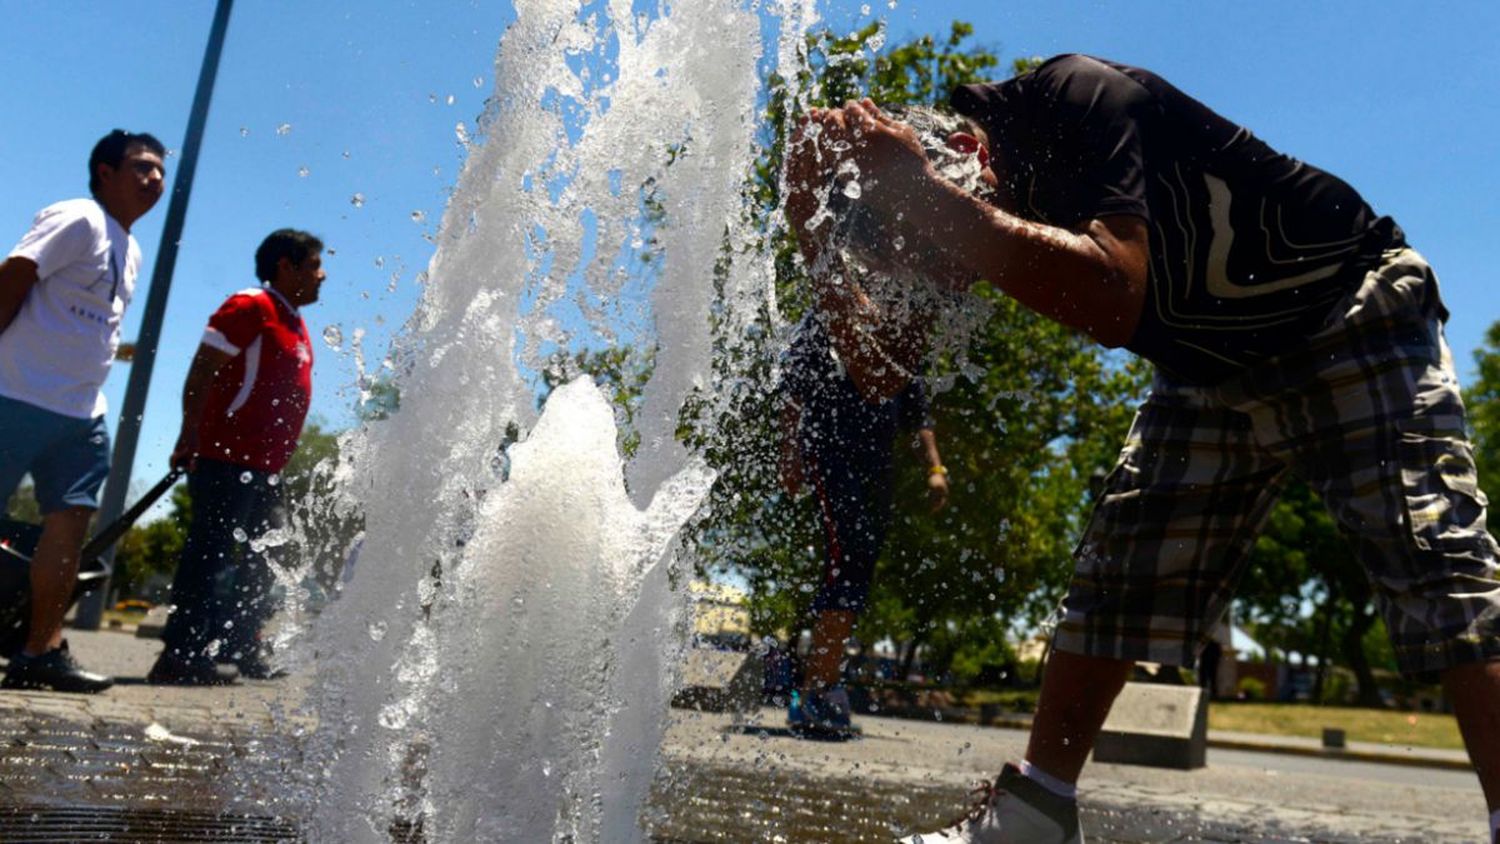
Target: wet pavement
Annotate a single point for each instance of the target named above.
(143, 763)
(725, 781)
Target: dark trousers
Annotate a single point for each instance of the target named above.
(232, 507)
(854, 503)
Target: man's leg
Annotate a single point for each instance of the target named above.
(1474, 691)
(250, 604)
(1379, 432)
(830, 633)
(68, 473)
(216, 494)
(1077, 693)
(54, 573)
(1167, 540)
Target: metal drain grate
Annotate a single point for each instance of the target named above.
(71, 825)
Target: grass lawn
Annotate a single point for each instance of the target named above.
(1416, 729)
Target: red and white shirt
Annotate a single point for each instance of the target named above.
(258, 401)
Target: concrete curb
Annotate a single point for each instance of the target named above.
(1415, 758)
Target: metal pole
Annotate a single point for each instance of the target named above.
(91, 609)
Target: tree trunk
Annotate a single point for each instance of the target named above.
(910, 657)
(1354, 652)
(1325, 643)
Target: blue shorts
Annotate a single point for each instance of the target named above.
(67, 457)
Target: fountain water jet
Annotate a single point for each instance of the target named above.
(499, 667)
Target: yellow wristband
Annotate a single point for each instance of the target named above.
(938, 470)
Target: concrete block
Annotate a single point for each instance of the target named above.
(151, 626)
(719, 681)
(1157, 726)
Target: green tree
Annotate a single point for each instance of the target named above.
(1482, 400)
(151, 551)
(22, 505)
(1303, 561)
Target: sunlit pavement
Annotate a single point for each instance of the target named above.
(751, 781)
(235, 753)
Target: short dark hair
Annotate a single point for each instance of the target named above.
(292, 244)
(111, 150)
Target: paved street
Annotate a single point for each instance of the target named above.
(234, 752)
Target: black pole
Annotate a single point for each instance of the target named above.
(91, 609)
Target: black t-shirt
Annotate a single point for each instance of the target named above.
(840, 428)
(1250, 248)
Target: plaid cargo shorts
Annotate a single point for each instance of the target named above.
(1368, 413)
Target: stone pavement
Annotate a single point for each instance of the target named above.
(232, 750)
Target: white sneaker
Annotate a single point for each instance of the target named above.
(1014, 810)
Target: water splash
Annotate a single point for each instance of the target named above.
(498, 667)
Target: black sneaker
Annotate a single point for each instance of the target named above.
(56, 670)
(173, 670)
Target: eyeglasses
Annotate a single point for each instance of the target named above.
(146, 168)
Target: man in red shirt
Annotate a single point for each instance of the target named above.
(243, 405)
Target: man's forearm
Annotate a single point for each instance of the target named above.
(927, 448)
(1069, 277)
(17, 277)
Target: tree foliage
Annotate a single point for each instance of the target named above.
(1482, 400)
(150, 552)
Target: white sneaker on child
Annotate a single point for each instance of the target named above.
(1012, 810)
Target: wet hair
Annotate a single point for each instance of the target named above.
(111, 150)
(292, 244)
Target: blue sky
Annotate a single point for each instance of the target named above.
(1395, 98)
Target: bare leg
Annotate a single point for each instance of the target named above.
(54, 573)
(1077, 692)
(830, 632)
(1474, 689)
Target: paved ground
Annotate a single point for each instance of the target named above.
(231, 750)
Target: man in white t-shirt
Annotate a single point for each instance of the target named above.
(63, 293)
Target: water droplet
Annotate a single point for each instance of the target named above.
(419, 217)
(334, 337)
(479, 82)
(303, 171)
(853, 190)
(432, 98)
(246, 477)
(864, 9)
(274, 480)
(240, 535)
(449, 101)
(284, 129)
(379, 261)
(377, 630)
(346, 153)
(244, 131)
(462, 133)
(357, 200)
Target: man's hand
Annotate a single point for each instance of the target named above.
(185, 452)
(937, 490)
(790, 466)
(887, 155)
(789, 460)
